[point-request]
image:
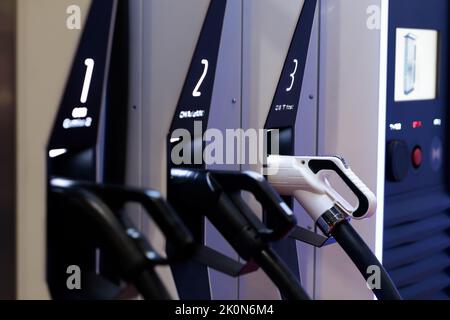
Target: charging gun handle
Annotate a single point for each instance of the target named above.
(367, 202)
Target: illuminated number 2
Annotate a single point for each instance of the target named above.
(196, 92)
(89, 63)
(292, 75)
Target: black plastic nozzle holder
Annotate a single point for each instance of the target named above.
(178, 236)
(218, 195)
(301, 234)
(134, 264)
(236, 182)
(314, 239)
(154, 205)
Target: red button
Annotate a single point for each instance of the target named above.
(417, 157)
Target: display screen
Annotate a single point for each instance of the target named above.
(416, 64)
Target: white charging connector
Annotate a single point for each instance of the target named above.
(307, 180)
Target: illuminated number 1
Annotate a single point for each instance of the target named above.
(197, 93)
(89, 63)
(292, 75)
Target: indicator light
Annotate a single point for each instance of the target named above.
(395, 126)
(417, 124)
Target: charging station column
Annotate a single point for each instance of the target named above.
(287, 104)
(280, 72)
(76, 151)
(195, 55)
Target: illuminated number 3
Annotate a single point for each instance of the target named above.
(196, 92)
(292, 75)
(89, 63)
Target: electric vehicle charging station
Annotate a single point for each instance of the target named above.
(323, 124)
(196, 99)
(209, 94)
(161, 60)
(253, 18)
(270, 29)
(76, 149)
(110, 253)
(295, 40)
(348, 106)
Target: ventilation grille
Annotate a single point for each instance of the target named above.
(417, 244)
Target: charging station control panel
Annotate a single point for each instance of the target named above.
(417, 202)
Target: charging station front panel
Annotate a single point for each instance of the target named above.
(294, 112)
(268, 31)
(74, 152)
(210, 94)
(417, 203)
